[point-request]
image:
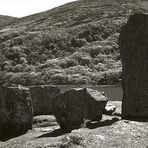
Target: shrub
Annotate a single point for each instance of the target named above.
(110, 64)
(109, 77)
(58, 79)
(81, 80)
(19, 68)
(5, 77)
(19, 78)
(15, 53)
(29, 68)
(53, 63)
(77, 55)
(101, 58)
(85, 60)
(107, 49)
(70, 62)
(100, 67)
(82, 58)
(72, 78)
(7, 65)
(78, 42)
(83, 70)
(92, 50)
(35, 78)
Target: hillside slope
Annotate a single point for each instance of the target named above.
(72, 44)
(5, 20)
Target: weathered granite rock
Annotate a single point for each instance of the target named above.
(133, 44)
(109, 109)
(16, 112)
(72, 108)
(42, 98)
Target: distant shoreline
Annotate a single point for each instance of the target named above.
(91, 85)
(76, 85)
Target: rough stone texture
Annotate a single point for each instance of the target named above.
(110, 132)
(16, 112)
(42, 98)
(109, 109)
(133, 44)
(72, 108)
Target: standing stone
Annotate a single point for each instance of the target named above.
(133, 42)
(72, 108)
(42, 98)
(16, 113)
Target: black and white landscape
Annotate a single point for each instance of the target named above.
(54, 66)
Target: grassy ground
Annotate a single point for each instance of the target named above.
(110, 132)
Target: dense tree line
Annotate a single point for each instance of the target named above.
(73, 44)
(61, 56)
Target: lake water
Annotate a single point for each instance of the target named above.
(114, 93)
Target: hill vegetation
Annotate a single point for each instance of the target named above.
(5, 20)
(76, 43)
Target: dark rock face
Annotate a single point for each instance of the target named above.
(42, 99)
(72, 108)
(133, 44)
(16, 112)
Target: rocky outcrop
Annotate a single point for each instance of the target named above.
(72, 108)
(109, 109)
(133, 44)
(16, 113)
(42, 98)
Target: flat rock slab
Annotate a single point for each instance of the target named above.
(72, 108)
(16, 113)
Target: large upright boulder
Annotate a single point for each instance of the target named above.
(42, 96)
(16, 112)
(72, 108)
(133, 42)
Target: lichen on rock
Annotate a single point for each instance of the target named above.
(16, 112)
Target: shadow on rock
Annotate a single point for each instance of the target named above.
(55, 133)
(135, 119)
(4, 138)
(92, 125)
